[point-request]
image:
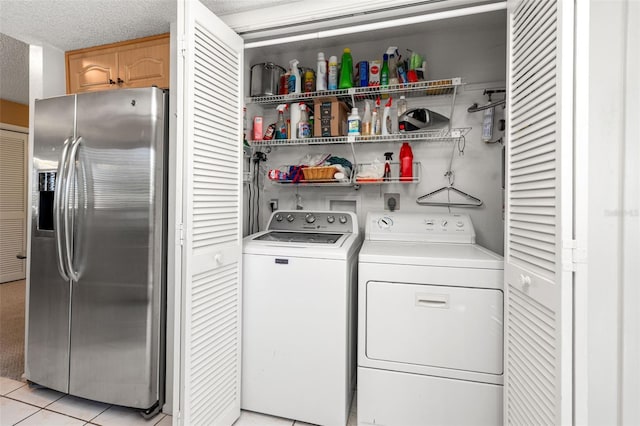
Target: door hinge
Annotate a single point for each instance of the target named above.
(181, 234)
(182, 43)
(573, 254)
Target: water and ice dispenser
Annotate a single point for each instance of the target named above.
(46, 191)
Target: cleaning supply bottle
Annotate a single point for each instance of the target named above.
(376, 120)
(402, 105)
(393, 70)
(294, 116)
(281, 125)
(295, 82)
(321, 73)
(346, 70)
(353, 123)
(384, 72)
(406, 162)
(366, 119)
(387, 125)
(332, 83)
(388, 156)
(304, 128)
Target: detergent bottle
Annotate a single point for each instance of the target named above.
(406, 162)
(346, 70)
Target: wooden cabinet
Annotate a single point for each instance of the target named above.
(134, 63)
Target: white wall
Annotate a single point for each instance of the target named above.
(471, 48)
(607, 325)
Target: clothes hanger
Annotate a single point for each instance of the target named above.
(470, 200)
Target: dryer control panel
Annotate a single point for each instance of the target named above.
(420, 227)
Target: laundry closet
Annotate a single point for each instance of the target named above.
(523, 213)
(468, 51)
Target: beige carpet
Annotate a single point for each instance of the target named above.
(12, 329)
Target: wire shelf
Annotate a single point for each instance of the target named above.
(439, 135)
(354, 181)
(421, 88)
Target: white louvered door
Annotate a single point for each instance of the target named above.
(538, 277)
(210, 116)
(13, 213)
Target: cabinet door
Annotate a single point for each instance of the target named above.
(89, 72)
(145, 65)
(537, 271)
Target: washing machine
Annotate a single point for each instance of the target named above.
(299, 316)
(430, 323)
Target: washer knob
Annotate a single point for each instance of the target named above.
(460, 224)
(444, 223)
(278, 217)
(331, 219)
(290, 218)
(342, 219)
(310, 218)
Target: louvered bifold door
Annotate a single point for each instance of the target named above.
(13, 213)
(538, 277)
(210, 112)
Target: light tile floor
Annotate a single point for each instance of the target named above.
(23, 406)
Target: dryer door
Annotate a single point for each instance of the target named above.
(439, 326)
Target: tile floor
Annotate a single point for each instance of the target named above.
(24, 406)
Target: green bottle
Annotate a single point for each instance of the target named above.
(346, 70)
(384, 73)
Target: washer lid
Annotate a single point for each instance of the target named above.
(430, 254)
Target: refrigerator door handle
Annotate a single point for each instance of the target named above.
(68, 231)
(58, 199)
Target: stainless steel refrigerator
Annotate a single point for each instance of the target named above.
(96, 301)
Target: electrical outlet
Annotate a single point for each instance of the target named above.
(391, 201)
(273, 203)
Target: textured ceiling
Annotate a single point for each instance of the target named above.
(14, 70)
(75, 24)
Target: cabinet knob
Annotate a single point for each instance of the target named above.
(120, 81)
(111, 81)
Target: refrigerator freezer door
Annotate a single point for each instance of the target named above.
(47, 349)
(118, 248)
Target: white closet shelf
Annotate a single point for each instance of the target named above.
(420, 88)
(439, 135)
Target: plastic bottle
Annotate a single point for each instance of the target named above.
(304, 128)
(354, 123)
(376, 120)
(295, 82)
(333, 73)
(393, 70)
(366, 119)
(406, 162)
(294, 112)
(387, 126)
(384, 72)
(387, 165)
(309, 81)
(402, 105)
(346, 70)
(281, 125)
(321, 73)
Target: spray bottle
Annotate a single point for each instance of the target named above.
(295, 83)
(332, 82)
(294, 113)
(281, 125)
(321, 73)
(387, 165)
(304, 128)
(387, 125)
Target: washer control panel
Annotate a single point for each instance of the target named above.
(304, 220)
(418, 227)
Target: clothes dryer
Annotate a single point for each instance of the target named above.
(430, 328)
